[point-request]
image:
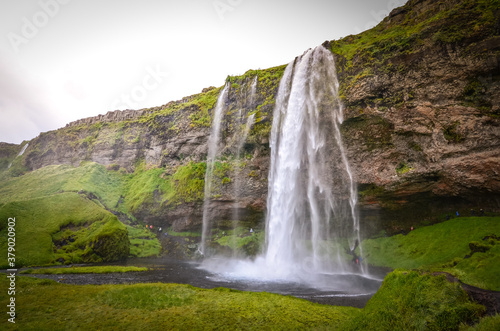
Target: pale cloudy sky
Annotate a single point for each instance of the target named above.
(61, 60)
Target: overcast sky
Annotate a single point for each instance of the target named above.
(62, 60)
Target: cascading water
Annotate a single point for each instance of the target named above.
(213, 143)
(312, 223)
(253, 90)
(20, 154)
(248, 126)
(237, 179)
(312, 227)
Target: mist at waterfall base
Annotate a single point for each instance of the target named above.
(312, 227)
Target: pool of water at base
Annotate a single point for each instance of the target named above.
(162, 270)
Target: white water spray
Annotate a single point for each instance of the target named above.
(312, 224)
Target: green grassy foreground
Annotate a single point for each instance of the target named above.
(443, 247)
(83, 270)
(407, 300)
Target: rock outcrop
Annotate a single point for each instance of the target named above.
(422, 121)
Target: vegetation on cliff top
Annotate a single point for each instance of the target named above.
(263, 102)
(383, 48)
(451, 22)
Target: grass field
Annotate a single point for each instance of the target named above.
(406, 300)
(83, 270)
(443, 247)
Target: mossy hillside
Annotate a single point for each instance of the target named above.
(190, 112)
(17, 168)
(406, 300)
(204, 102)
(263, 103)
(155, 187)
(444, 247)
(88, 178)
(143, 242)
(115, 190)
(480, 270)
(65, 227)
(454, 22)
(105, 187)
(382, 49)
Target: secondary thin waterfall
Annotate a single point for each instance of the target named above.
(240, 144)
(237, 173)
(213, 143)
(20, 154)
(253, 90)
(312, 223)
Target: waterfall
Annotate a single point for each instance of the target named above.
(20, 154)
(241, 142)
(248, 126)
(23, 149)
(312, 224)
(213, 143)
(253, 90)
(237, 171)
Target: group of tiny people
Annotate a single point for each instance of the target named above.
(472, 213)
(150, 227)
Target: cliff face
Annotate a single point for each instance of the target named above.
(422, 100)
(160, 152)
(421, 93)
